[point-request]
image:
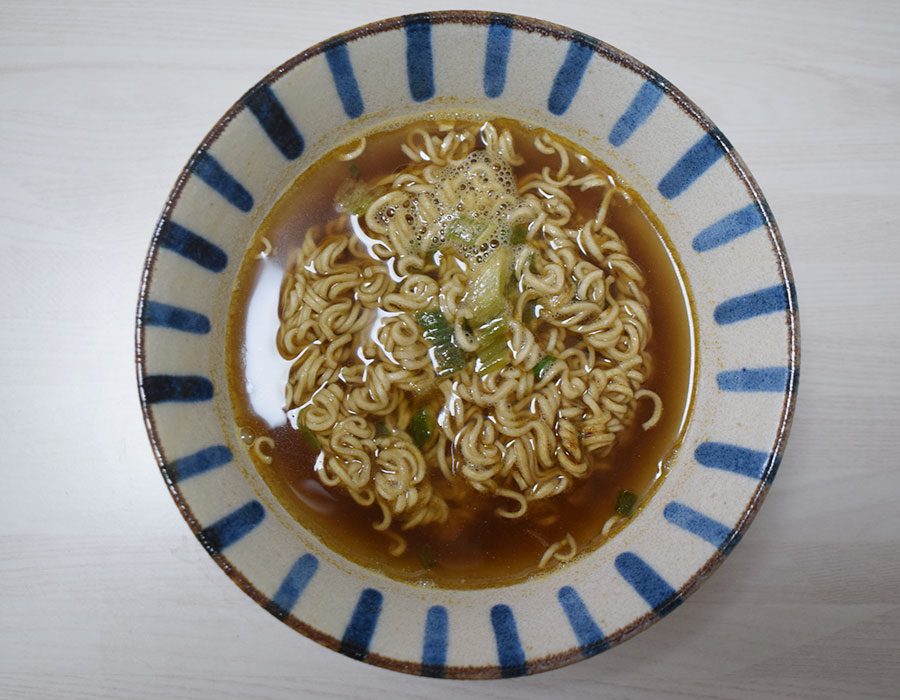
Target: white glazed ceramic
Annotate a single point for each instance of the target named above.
(743, 308)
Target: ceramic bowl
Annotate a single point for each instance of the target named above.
(743, 308)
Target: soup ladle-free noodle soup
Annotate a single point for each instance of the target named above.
(473, 384)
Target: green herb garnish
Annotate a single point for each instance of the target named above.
(486, 299)
(492, 353)
(518, 234)
(540, 369)
(421, 426)
(469, 230)
(625, 503)
(427, 557)
(309, 437)
(356, 197)
(437, 331)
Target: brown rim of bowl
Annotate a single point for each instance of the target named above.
(737, 164)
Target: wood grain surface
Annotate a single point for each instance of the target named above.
(104, 593)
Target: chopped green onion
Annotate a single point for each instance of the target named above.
(434, 326)
(518, 234)
(492, 353)
(532, 265)
(625, 503)
(462, 229)
(449, 359)
(427, 557)
(486, 230)
(309, 437)
(437, 331)
(540, 369)
(354, 171)
(486, 299)
(469, 230)
(421, 426)
(356, 197)
(529, 313)
(485, 293)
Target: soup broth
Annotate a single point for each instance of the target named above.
(466, 536)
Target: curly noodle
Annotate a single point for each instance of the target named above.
(362, 365)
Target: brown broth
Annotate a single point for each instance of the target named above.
(474, 548)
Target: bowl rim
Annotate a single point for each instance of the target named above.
(687, 106)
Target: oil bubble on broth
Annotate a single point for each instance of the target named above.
(459, 351)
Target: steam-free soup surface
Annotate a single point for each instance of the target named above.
(472, 545)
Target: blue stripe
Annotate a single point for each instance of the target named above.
(213, 174)
(733, 226)
(774, 379)
(358, 634)
(157, 314)
(160, 388)
(696, 523)
(509, 648)
(195, 248)
(197, 463)
(419, 61)
(640, 109)
(586, 630)
(292, 587)
(698, 159)
(568, 79)
(765, 301)
(275, 121)
(434, 650)
(233, 527)
(344, 79)
(497, 54)
(731, 458)
(652, 587)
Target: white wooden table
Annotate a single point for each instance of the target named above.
(104, 593)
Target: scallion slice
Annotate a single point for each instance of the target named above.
(427, 557)
(540, 369)
(309, 437)
(421, 427)
(518, 234)
(486, 299)
(625, 503)
(469, 230)
(355, 197)
(492, 353)
(437, 331)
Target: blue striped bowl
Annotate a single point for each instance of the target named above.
(744, 312)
